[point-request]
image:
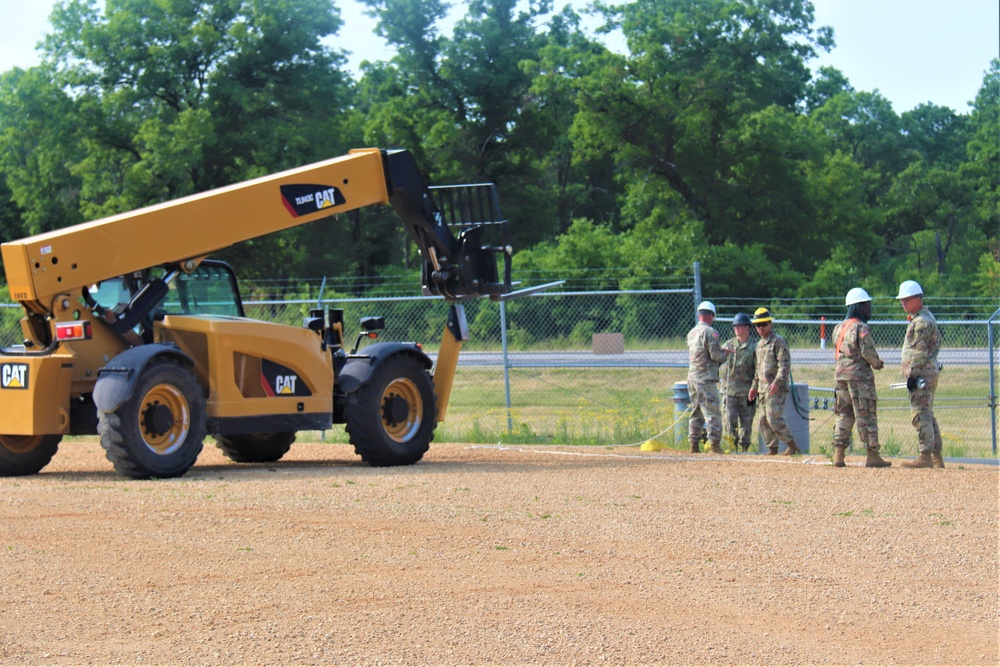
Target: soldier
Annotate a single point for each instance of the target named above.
(736, 376)
(920, 367)
(773, 368)
(704, 356)
(856, 400)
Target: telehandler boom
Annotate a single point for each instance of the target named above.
(131, 332)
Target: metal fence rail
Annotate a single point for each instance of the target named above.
(599, 367)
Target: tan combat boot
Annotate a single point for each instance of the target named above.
(772, 451)
(793, 449)
(876, 461)
(838, 457)
(922, 461)
(715, 449)
(695, 447)
(937, 459)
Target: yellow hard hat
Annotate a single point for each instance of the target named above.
(761, 316)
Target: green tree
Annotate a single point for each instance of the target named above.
(184, 96)
(39, 141)
(937, 134)
(706, 101)
(864, 126)
(829, 81)
(144, 102)
(982, 167)
(932, 211)
(493, 101)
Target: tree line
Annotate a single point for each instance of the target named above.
(710, 139)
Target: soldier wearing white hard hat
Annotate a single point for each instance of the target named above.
(855, 400)
(920, 367)
(705, 354)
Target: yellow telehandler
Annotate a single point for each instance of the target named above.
(131, 332)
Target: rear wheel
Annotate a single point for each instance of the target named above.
(158, 432)
(391, 419)
(26, 454)
(255, 447)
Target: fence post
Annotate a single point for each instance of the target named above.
(506, 364)
(319, 299)
(993, 380)
(697, 289)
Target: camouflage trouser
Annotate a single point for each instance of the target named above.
(855, 402)
(739, 419)
(706, 412)
(772, 419)
(922, 414)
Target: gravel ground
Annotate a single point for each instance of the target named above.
(490, 555)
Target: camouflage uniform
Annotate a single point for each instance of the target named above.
(856, 400)
(919, 360)
(774, 367)
(704, 356)
(736, 376)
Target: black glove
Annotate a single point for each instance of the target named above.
(911, 383)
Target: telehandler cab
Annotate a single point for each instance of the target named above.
(132, 333)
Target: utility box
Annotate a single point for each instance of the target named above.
(682, 398)
(798, 424)
(608, 343)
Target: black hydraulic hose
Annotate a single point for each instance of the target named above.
(47, 350)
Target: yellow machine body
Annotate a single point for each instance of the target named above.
(35, 394)
(120, 337)
(232, 356)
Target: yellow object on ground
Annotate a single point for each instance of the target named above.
(652, 445)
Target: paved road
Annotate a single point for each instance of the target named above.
(679, 358)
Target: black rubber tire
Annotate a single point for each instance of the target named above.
(255, 447)
(379, 438)
(26, 454)
(139, 450)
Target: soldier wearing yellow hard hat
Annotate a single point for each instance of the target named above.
(771, 382)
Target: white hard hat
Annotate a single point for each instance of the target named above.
(909, 288)
(707, 305)
(857, 295)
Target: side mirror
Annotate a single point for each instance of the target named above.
(372, 323)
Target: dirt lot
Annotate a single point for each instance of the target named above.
(488, 555)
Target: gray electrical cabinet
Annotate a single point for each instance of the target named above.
(798, 423)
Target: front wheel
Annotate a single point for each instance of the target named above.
(26, 454)
(391, 419)
(158, 432)
(255, 447)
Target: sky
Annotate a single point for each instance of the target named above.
(911, 51)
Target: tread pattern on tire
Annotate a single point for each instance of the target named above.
(18, 464)
(364, 423)
(127, 456)
(252, 448)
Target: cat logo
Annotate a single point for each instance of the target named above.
(14, 376)
(285, 384)
(279, 380)
(303, 199)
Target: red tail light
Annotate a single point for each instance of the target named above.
(74, 331)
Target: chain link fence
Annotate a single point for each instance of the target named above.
(599, 367)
